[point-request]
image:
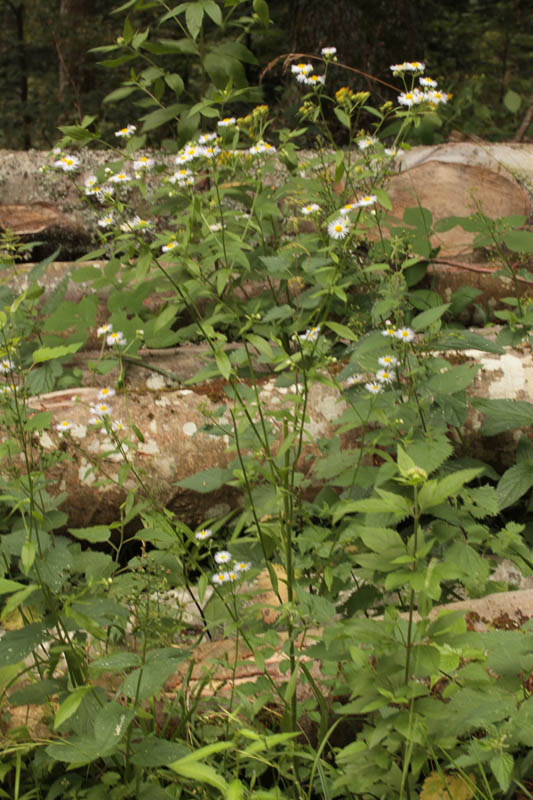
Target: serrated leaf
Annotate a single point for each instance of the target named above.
(514, 483)
(502, 766)
(503, 415)
(49, 353)
(455, 379)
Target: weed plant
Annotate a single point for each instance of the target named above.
(362, 529)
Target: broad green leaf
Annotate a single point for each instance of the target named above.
(148, 680)
(208, 480)
(512, 101)
(343, 331)
(36, 693)
(435, 492)
(427, 318)
(201, 773)
(161, 116)
(48, 353)
(235, 791)
(383, 540)
(383, 198)
(96, 533)
(502, 766)
(194, 14)
(69, 706)
(261, 9)
(154, 751)
(17, 599)
(455, 379)
(115, 662)
(519, 241)
(223, 363)
(515, 482)
(503, 415)
(111, 725)
(7, 586)
(421, 218)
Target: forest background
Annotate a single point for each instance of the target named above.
(481, 49)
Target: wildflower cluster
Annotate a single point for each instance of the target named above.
(304, 74)
(235, 571)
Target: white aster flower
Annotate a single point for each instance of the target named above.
(143, 163)
(120, 177)
(126, 132)
(211, 151)
(103, 329)
(67, 163)
(392, 152)
(261, 147)
(385, 375)
(170, 246)
(435, 97)
(183, 177)
(366, 142)
(227, 122)
(311, 334)
(388, 361)
(219, 578)
(301, 69)
(311, 80)
(116, 338)
(328, 52)
(63, 426)
(207, 137)
(6, 365)
(117, 425)
(390, 330)
(233, 575)
(346, 209)
(428, 83)
(368, 200)
(405, 334)
(312, 208)
(91, 185)
(223, 557)
(101, 410)
(139, 223)
(242, 566)
(373, 387)
(338, 229)
(408, 66)
(205, 533)
(410, 99)
(106, 392)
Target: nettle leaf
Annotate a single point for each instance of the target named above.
(208, 480)
(435, 492)
(383, 540)
(455, 379)
(430, 453)
(514, 483)
(503, 415)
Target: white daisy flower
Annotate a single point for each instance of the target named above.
(220, 577)
(143, 163)
(311, 334)
(390, 330)
(388, 361)
(301, 69)
(409, 99)
(311, 80)
(126, 132)
(183, 177)
(261, 147)
(327, 52)
(63, 426)
(408, 66)
(120, 177)
(312, 208)
(346, 209)
(205, 533)
(117, 425)
(103, 329)
(392, 152)
(428, 83)
(6, 365)
(242, 566)
(101, 410)
(385, 375)
(207, 137)
(223, 557)
(116, 338)
(373, 387)
(139, 223)
(368, 200)
(338, 229)
(366, 142)
(227, 122)
(106, 392)
(435, 97)
(232, 575)
(405, 334)
(91, 185)
(170, 246)
(210, 151)
(67, 163)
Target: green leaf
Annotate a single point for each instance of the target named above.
(383, 541)
(119, 94)
(261, 9)
(223, 363)
(433, 493)
(175, 82)
(383, 198)
(161, 116)
(514, 483)
(116, 662)
(455, 379)
(69, 706)
(96, 533)
(502, 766)
(503, 415)
(111, 725)
(421, 218)
(519, 241)
(427, 318)
(512, 101)
(201, 773)
(148, 680)
(17, 599)
(48, 353)
(156, 752)
(213, 10)
(343, 117)
(194, 14)
(467, 340)
(7, 586)
(207, 481)
(39, 421)
(343, 331)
